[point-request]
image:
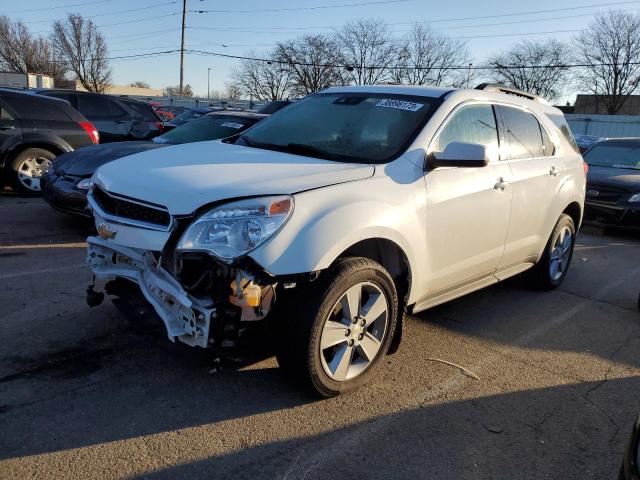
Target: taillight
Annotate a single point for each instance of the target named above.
(585, 166)
(91, 131)
(159, 125)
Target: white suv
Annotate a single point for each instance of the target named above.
(337, 215)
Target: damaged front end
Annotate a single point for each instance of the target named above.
(201, 302)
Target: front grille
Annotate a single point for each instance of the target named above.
(605, 194)
(130, 209)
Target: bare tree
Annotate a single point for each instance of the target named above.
(187, 91)
(262, 80)
(84, 49)
(139, 84)
(427, 57)
(610, 49)
(536, 67)
(312, 61)
(21, 52)
(368, 50)
(233, 92)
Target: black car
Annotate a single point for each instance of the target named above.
(33, 131)
(66, 184)
(273, 106)
(190, 115)
(613, 183)
(116, 118)
(630, 469)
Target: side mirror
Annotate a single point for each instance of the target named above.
(460, 154)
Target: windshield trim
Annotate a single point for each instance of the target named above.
(436, 102)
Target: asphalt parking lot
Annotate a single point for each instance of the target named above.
(551, 389)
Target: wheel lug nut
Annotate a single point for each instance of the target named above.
(362, 322)
(360, 336)
(355, 320)
(351, 343)
(347, 332)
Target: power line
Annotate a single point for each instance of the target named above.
(133, 36)
(58, 6)
(376, 67)
(295, 9)
(244, 29)
(112, 13)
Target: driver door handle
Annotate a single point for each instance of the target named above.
(501, 185)
(554, 171)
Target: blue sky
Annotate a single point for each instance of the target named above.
(144, 26)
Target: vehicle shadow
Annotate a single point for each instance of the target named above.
(551, 432)
(123, 384)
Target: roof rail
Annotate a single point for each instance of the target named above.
(494, 87)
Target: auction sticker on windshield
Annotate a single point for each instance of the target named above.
(232, 125)
(399, 105)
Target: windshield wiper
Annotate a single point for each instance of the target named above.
(309, 150)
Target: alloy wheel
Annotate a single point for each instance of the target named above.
(353, 332)
(30, 171)
(561, 253)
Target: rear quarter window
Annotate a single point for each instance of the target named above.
(30, 107)
(146, 111)
(561, 122)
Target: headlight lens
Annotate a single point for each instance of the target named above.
(84, 184)
(634, 198)
(234, 229)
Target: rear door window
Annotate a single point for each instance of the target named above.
(471, 124)
(93, 106)
(523, 134)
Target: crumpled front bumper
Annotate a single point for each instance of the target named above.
(185, 317)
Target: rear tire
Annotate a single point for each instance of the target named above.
(553, 266)
(26, 169)
(332, 333)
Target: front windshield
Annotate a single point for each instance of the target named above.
(614, 155)
(209, 127)
(351, 127)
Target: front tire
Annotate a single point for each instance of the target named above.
(553, 266)
(336, 330)
(26, 169)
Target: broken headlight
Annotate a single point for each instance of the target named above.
(236, 228)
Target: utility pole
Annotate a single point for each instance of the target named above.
(184, 21)
(208, 88)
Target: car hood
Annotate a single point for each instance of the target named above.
(186, 177)
(623, 178)
(84, 161)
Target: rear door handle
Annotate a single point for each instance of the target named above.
(501, 185)
(554, 171)
(7, 127)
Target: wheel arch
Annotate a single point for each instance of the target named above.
(18, 148)
(393, 258)
(574, 210)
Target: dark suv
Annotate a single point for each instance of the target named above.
(116, 118)
(33, 131)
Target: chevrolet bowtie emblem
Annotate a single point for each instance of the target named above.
(593, 193)
(106, 231)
